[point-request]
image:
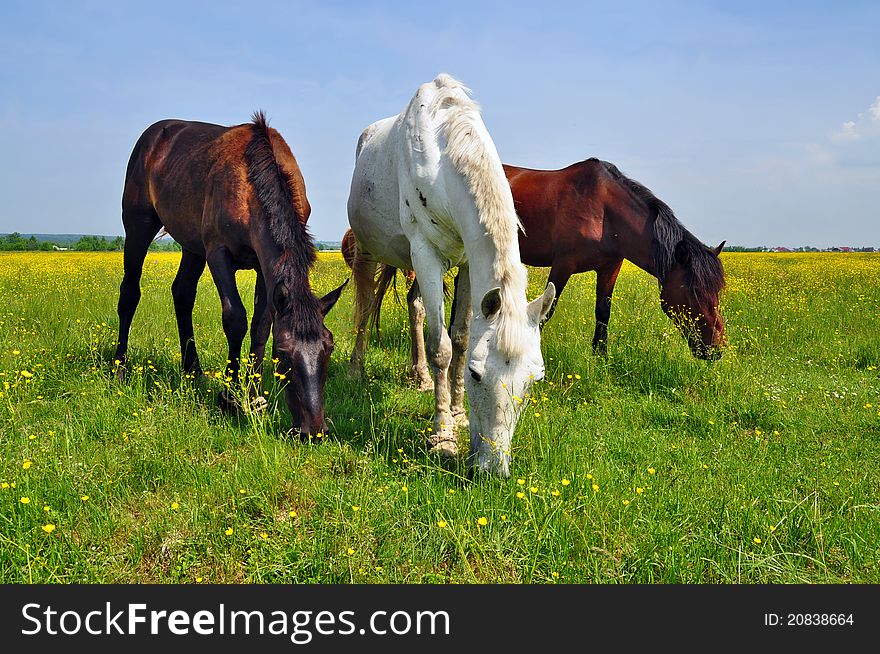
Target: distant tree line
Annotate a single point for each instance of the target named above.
(17, 242)
(88, 243)
(803, 248)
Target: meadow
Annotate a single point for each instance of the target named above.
(646, 467)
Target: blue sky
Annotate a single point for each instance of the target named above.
(757, 122)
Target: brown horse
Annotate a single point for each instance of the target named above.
(589, 216)
(234, 198)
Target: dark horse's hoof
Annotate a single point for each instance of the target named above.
(227, 402)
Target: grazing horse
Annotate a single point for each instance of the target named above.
(428, 193)
(589, 216)
(234, 198)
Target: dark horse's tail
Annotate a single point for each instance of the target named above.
(276, 194)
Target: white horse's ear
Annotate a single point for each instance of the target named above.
(491, 303)
(539, 307)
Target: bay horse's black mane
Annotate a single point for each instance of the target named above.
(272, 187)
(673, 243)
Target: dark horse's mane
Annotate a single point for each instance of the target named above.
(672, 243)
(272, 187)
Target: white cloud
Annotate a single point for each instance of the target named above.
(865, 126)
(875, 110)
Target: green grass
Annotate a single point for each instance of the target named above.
(779, 441)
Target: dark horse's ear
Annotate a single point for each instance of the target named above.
(682, 254)
(717, 250)
(330, 299)
(280, 297)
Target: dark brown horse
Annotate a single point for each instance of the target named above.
(590, 216)
(234, 198)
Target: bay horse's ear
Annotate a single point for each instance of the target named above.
(330, 299)
(717, 250)
(682, 254)
(540, 306)
(491, 303)
(280, 297)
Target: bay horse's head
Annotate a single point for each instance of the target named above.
(301, 350)
(689, 296)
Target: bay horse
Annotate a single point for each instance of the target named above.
(590, 216)
(428, 193)
(233, 198)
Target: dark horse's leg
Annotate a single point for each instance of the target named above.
(141, 225)
(183, 290)
(261, 324)
(234, 314)
(606, 278)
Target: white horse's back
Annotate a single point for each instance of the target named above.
(409, 183)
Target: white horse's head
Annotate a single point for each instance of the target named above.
(497, 383)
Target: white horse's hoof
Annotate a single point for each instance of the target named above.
(423, 380)
(445, 448)
(461, 420)
(444, 441)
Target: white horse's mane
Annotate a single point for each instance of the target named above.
(479, 165)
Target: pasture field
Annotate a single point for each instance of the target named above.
(646, 467)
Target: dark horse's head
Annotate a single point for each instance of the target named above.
(689, 295)
(301, 351)
(301, 343)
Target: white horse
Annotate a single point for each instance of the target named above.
(428, 193)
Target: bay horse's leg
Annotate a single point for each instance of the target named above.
(559, 275)
(363, 269)
(140, 227)
(606, 278)
(234, 314)
(429, 272)
(183, 290)
(459, 332)
(416, 308)
(261, 325)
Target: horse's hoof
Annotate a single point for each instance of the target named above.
(120, 373)
(422, 378)
(461, 420)
(356, 372)
(258, 404)
(444, 441)
(445, 448)
(227, 402)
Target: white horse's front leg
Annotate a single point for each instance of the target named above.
(459, 331)
(429, 273)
